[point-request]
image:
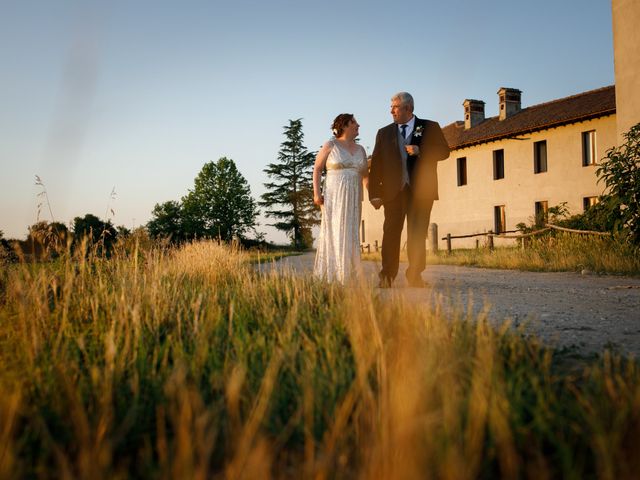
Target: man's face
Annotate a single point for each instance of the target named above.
(400, 112)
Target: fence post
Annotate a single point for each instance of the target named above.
(477, 243)
(368, 248)
(375, 245)
(448, 243)
(490, 236)
(433, 237)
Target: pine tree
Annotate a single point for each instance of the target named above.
(289, 196)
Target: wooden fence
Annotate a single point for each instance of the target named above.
(433, 233)
(490, 235)
(367, 247)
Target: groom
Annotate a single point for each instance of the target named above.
(403, 179)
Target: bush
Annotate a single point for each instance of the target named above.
(554, 215)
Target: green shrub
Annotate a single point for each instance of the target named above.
(620, 171)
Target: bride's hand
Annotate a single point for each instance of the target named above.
(376, 203)
(318, 200)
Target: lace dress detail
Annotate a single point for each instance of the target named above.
(338, 246)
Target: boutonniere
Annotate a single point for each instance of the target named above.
(418, 131)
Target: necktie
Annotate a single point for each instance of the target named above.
(405, 172)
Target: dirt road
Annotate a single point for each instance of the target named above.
(565, 309)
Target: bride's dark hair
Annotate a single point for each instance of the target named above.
(340, 123)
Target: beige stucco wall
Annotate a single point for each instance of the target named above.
(470, 208)
(626, 49)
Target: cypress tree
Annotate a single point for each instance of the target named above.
(289, 196)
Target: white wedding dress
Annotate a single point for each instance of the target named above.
(338, 246)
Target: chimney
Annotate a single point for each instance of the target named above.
(509, 102)
(473, 113)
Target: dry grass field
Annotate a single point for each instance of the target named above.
(190, 363)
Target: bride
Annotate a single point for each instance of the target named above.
(338, 246)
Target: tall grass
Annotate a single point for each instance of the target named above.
(189, 363)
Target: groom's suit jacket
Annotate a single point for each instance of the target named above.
(385, 174)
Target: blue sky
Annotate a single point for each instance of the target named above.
(138, 95)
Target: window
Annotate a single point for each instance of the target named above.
(499, 219)
(542, 212)
(540, 157)
(588, 202)
(498, 164)
(588, 148)
(462, 171)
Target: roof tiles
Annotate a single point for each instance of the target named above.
(576, 108)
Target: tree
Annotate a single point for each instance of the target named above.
(100, 234)
(167, 221)
(620, 171)
(220, 204)
(123, 231)
(6, 252)
(289, 196)
(50, 237)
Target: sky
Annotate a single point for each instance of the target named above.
(117, 105)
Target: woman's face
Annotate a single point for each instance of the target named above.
(352, 129)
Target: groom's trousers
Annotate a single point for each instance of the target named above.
(417, 214)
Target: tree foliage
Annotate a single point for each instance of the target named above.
(620, 172)
(51, 237)
(101, 235)
(220, 204)
(44, 241)
(167, 221)
(6, 252)
(289, 196)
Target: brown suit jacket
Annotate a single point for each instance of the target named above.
(385, 175)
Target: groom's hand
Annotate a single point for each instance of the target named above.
(413, 150)
(376, 202)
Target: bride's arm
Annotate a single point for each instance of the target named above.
(318, 167)
(365, 170)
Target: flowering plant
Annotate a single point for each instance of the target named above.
(418, 131)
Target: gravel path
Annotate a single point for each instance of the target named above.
(565, 309)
